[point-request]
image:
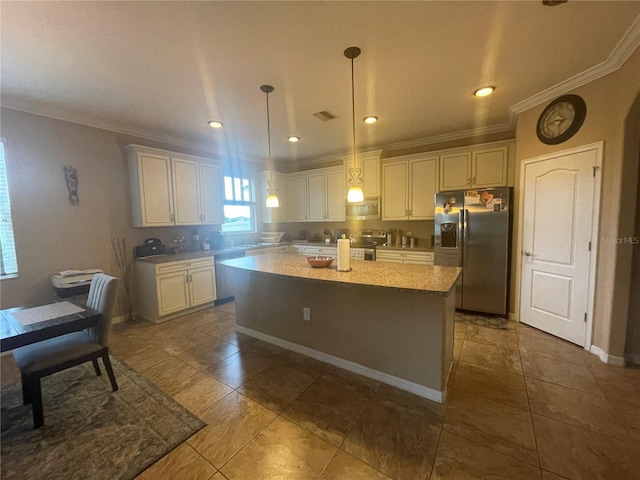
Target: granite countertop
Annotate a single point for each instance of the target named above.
(417, 248)
(437, 280)
(179, 257)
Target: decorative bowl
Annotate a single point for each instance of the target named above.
(320, 261)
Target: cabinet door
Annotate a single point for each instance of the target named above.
(423, 178)
(155, 194)
(370, 175)
(316, 194)
(173, 292)
(335, 196)
(455, 172)
(297, 198)
(490, 168)
(202, 285)
(390, 257)
(186, 192)
(394, 191)
(211, 194)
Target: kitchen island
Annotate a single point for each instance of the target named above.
(386, 321)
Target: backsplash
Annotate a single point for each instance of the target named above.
(421, 230)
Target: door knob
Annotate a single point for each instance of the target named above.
(526, 254)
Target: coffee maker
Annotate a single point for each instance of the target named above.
(216, 239)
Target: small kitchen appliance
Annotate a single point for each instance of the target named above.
(151, 246)
(216, 240)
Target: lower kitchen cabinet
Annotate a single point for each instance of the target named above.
(417, 258)
(171, 289)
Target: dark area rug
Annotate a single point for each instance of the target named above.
(91, 432)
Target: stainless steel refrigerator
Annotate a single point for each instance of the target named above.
(472, 231)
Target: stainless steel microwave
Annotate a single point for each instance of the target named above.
(369, 209)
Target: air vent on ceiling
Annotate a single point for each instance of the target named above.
(324, 115)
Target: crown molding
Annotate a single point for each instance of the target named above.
(89, 121)
(617, 58)
(447, 137)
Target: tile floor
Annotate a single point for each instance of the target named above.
(522, 405)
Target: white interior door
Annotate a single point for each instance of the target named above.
(558, 208)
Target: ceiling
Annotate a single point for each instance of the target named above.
(161, 70)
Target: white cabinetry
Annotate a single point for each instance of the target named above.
(173, 189)
(279, 187)
(409, 185)
(298, 249)
(318, 250)
(168, 290)
(211, 194)
(480, 167)
(297, 198)
(418, 258)
(370, 164)
(326, 195)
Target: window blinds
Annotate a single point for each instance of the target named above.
(8, 261)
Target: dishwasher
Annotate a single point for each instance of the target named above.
(224, 285)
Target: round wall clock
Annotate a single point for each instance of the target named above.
(561, 119)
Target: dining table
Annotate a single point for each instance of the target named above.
(22, 326)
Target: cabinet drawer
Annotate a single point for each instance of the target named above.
(420, 258)
(183, 265)
(295, 249)
(320, 251)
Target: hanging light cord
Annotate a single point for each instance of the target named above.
(353, 113)
(268, 129)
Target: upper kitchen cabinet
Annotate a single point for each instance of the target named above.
(172, 189)
(211, 194)
(151, 188)
(186, 192)
(326, 195)
(476, 167)
(296, 208)
(409, 185)
(370, 164)
(279, 187)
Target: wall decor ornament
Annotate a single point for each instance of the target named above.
(71, 179)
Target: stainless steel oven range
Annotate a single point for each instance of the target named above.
(367, 240)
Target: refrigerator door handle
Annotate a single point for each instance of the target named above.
(465, 234)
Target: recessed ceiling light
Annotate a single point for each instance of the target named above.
(484, 91)
(370, 120)
(293, 139)
(215, 124)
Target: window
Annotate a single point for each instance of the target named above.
(239, 205)
(8, 261)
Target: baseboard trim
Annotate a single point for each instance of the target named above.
(119, 319)
(633, 358)
(606, 358)
(400, 383)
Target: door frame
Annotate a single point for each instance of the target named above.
(595, 224)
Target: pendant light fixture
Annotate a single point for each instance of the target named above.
(355, 193)
(272, 184)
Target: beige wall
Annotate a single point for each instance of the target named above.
(609, 100)
(51, 234)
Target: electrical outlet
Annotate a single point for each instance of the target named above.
(306, 314)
